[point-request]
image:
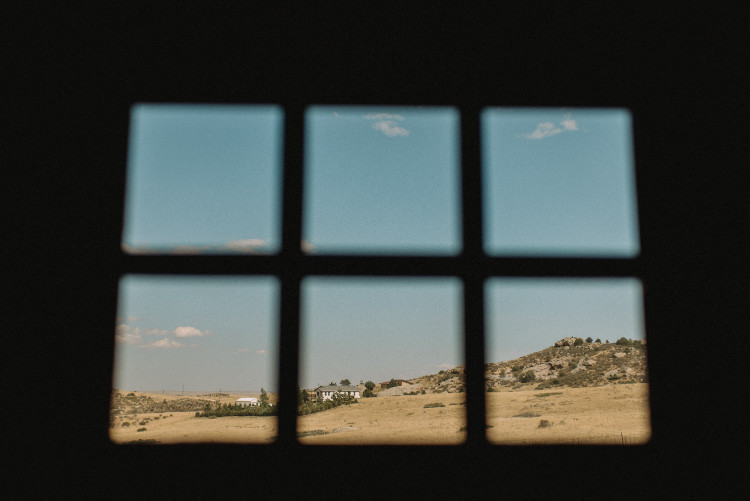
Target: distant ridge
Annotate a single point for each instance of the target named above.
(570, 362)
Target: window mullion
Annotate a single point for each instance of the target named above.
(289, 310)
(473, 272)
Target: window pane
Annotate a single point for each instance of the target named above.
(559, 182)
(402, 333)
(566, 362)
(382, 180)
(183, 344)
(203, 179)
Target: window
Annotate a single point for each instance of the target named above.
(203, 179)
(479, 244)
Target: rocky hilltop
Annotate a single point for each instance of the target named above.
(131, 403)
(570, 362)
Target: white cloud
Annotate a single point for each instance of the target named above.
(389, 128)
(164, 343)
(183, 332)
(569, 124)
(156, 332)
(547, 129)
(127, 335)
(246, 245)
(544, 129)
(386, 123)
(240, 351)
(385, 116)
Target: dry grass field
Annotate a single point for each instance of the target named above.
(611, 414)
(183, 427)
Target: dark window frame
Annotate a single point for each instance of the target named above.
(472, 266)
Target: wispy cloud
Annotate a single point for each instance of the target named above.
(248, 245)
(547, 129)
(126, 334)
(385, 116)
(307, 246)
(569, 123)
(387, 124)
(244, 246)
(242, 351)
(164, 343)
(183, 332)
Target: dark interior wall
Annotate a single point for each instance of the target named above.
(76, 72)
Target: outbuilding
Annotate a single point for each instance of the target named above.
(327, 392)
(245, 401)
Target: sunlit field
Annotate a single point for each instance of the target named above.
(612, 414)
(615, 414)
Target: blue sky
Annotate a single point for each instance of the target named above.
(524, 315)
(379, 328)
(559, 182)
(382, 180)
(206, 333)
(203, 179)
(206, 179)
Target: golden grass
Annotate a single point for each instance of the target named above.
(613, 414)
(390, 420)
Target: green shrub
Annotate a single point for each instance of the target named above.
(578, 342)
(589, 340)
(434, 404)
(527, 377)
(141, 429)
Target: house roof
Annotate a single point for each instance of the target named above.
(247, 399)
(336, 388)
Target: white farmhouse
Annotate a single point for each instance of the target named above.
(327, 392)
(245, 401)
